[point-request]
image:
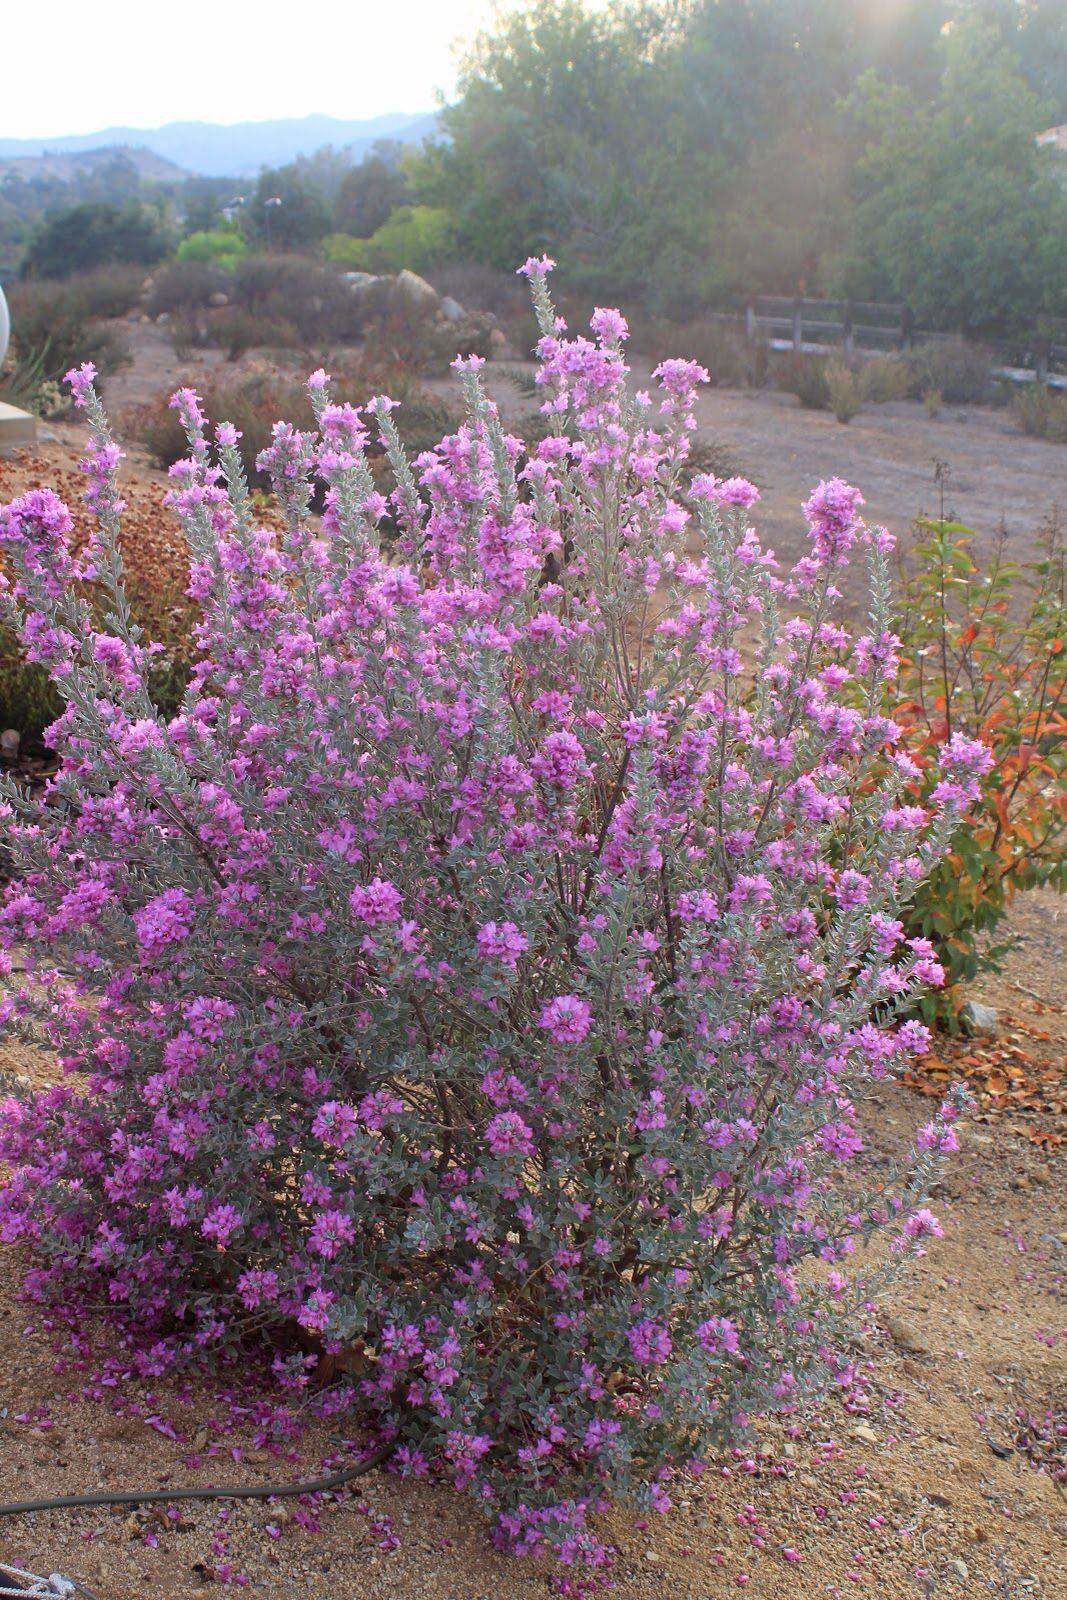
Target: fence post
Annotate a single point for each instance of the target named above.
(798, 325)
(848, 330)
(907, 328)
(750, 322)
(1041, 360)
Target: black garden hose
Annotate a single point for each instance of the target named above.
(262, 1491)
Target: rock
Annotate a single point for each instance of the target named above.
(905, 1335)
(451, 309)
(865, 1433)
(975, 1018)
(961, 1568)
(219, 298)
(650, 1555)
(9, 743)
(163, 318)
(414, 295)
(360, 280)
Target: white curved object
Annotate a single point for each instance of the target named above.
(5, 327)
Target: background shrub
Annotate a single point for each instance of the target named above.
(883, 378)
(185, 285)
(1040, 411)
(299, 292)
(52, 323)
(843, 387)
(720, 345)
(960, 371)
(803, 374)
(255, 402)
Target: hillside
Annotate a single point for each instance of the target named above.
(60, 166)
(214, 150)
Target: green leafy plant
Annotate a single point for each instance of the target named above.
(417, 237)
(221, 247)
(984, 657)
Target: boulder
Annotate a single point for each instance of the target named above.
(413, 296)
(451, 309)
(976, 1018)
(219, 298)
(358, 281)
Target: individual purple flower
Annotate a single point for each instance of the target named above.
(719, 1335)
(649, 1341)
(163, 921)
(330, 1232)
(221, 1223)
(832, 511)
(567, 1018)
(725, 491)
(922, 1223)
(81, 380)
(536, 267)
(501, 941)
(375, 902)
(609, 325)
(507, 1135)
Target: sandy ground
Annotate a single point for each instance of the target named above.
(924, 1484)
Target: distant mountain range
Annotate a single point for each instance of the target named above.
(214, 150)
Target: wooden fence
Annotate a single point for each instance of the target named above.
(854, 326)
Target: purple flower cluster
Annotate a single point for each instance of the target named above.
(479, 972)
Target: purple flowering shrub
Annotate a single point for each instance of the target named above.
(478, 973)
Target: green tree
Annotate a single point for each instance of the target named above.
(552, 143)
(958, 212)
(94, 234)
(288, 207)
(417, 237)
(372, 191)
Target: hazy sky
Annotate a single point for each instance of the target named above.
(73, 66)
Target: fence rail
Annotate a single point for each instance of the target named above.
(821, 327)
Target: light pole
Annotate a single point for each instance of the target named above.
(268, 207)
